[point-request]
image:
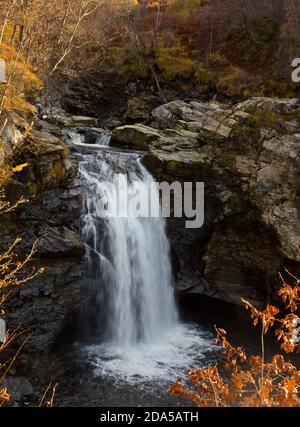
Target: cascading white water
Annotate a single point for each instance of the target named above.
(140, 338)
(133, 254)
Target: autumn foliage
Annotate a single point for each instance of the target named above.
(255, 40)
(248, 380)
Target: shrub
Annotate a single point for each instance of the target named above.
(175, 62)
(186, 7)
(23, 83)
(237, 82)
(247, 135)
(126, 63)
(250, 380)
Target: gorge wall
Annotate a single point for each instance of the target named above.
(248, 156)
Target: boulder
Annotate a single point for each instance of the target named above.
(207, 119)
(185, 164)
(49, 165)
(136, 136)
(75, 121)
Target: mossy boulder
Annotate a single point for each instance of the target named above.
(136, 136)
(185, 164)
(48, 164)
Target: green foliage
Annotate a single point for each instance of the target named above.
(186, 7)
(217, 74)
(253, 44)
(126, 63)
(264, 119)
(175, 62)
(237, 82)
(246, 136)
(205, 78)
(209, 72)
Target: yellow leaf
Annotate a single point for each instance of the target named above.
(4, 395)
(19, 168)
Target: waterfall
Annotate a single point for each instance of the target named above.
(129, 258)
(131, 311)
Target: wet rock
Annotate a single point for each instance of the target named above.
(47, 305)
(135, 136)
(54, 116)
(187, 164)
(45, 126)
(82, 121)
(90, 135)
(284, 218)
(113, 122)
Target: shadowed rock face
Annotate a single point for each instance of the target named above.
(48, 304)
(252, 222)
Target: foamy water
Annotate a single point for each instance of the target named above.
(184, 347)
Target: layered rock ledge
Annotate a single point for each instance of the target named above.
(248, 157)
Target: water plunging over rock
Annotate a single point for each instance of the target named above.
(130, 265)
(129, 320)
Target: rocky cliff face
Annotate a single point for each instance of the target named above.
(248, 157)
(47, 304)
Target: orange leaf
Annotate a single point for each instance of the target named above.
(19, 168)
